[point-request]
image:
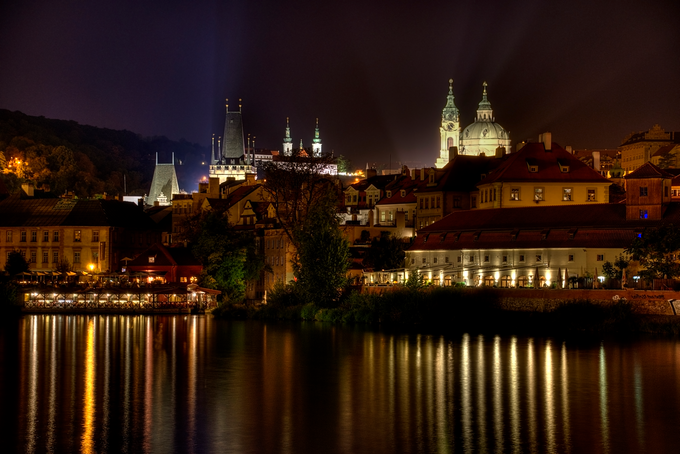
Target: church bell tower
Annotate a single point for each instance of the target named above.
(449, 131)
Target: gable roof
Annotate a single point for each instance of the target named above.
(549, 163)
(648, 170)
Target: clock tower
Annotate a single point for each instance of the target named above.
(449, 131)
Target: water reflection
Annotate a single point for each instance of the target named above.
(188, 383)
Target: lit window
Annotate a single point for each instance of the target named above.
(514, 194)
(591, 195)
(643, 214)
(600, 257)
(566, 195)
(77, 236)
(538, 194)
(152, 259)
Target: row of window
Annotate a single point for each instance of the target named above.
(430, 202)
(567, 194)
(33, 235)
(538, 258)
(33, 256)
(275, 243)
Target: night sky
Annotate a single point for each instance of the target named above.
(375, 73)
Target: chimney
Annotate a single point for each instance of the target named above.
(28, 188)
(596, 161)
(569, 149)
(453, 152)
(214, 187)
(422, 174)
(520, 145)
(414, 174)
(500, 152)
(546, 138)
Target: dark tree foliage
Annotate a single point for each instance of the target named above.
(656, 250)
(294, 186)
(615, 270)
(16, 263)
(322, 253)
(84, 159)
(344, 164)
(386, 253)
(228, 256)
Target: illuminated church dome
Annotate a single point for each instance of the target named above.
(484, 135)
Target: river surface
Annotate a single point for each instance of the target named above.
(77, 383)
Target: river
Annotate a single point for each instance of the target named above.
(107, 383)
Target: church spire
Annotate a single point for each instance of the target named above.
(484, 111)
(450, 111)
(287, 140)
(316, 142)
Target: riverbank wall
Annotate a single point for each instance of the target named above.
(644, 302)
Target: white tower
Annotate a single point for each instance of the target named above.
(316, 142)
(449, 131)
(287, 140)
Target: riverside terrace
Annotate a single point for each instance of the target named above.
(165, 298)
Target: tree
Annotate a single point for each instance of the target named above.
(294, 186)
(344, 164)
(386, 253)
(656, 249)
(615, 270)
(667, 161)
(322, 258)
(16, 263)
(228, 256)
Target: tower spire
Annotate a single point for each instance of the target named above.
(450, 111)
(316, 142)
(484, 111)
(287, 140)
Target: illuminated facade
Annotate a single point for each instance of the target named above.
(482, 137)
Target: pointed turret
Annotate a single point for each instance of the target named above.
(484, 111)
(316, 142)
(450, 111)
(449, 131)
(287, 140)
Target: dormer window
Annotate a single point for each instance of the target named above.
(532, 165)
(152, 259)
(403, 193)
(533, 169)
(564, 169)
(389, 194)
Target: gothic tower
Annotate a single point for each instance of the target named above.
(449, 131)
(233, 146)
(287, 140)
(316, 142)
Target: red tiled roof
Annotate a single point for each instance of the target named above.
(601, 215)
(663, 151)
(515, 168)
(648, 170)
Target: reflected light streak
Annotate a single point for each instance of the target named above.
(481, 394)
(531, 395)
(497, 395)
(31, 417)
(87, 442)
(604, 414)
(549, 398)
(53, 384)
(440, 396)
(514, 398)
(565, 400)
(466, 404)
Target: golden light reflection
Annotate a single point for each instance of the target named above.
(497, 395)
(531, 396)
(565, 399)
(639, 409)
(549, 398)
(604, 413)
(481, 394)
(514, 398)
(32, 413)
(89, 404)
(466, 404)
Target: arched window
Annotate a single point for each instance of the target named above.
(522, 281)
(449, 142)
(506, 281)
